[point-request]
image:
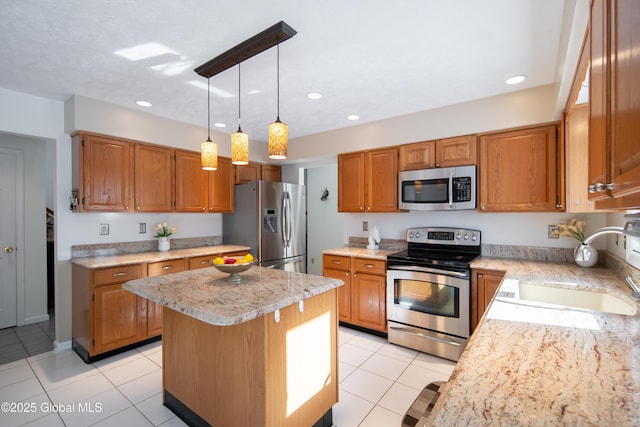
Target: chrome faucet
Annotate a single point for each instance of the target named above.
(587, 256)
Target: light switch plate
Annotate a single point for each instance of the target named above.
(104, 229)
(142, 228)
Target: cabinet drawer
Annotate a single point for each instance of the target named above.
(368, 265)
(166, 267)
(203, 261)
(121, 274)
(336, 261)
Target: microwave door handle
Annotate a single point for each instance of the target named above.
(451, 190)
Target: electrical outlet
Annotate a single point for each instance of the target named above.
(142, 228)
(104, 229)
(551, 234)
(365, 226)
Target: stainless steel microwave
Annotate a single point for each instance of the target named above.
(437, 189)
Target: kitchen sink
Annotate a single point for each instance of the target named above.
(590, 299)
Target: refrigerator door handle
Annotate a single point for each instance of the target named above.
(288, 219)
(285, 219)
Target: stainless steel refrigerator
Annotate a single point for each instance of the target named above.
(270, 218)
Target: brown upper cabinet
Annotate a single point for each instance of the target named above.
(102, 172)
(256, 171)
(368, 181)
(153, 168)
(198, 190)
(614, 116)
(518, 171)
(456, 151)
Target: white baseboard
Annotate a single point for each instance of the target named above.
(59, 346)
(36, 319)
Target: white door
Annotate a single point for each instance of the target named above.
(8, 225)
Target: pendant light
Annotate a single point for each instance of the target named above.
(278, 131)
(209, 149)
(239, 139)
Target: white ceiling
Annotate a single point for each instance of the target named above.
(374, 58)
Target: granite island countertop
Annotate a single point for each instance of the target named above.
(206, 295)
(154, 256)
(537, 364)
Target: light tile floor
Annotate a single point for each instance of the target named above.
(378, 383)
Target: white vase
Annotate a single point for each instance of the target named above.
(163, 244)
(585, 255)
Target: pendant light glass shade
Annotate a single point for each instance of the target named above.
(239, 139)
(278, 131)
(278, 137)
(209, 149)
(209, 155)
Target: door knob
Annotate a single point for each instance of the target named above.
(8, 249)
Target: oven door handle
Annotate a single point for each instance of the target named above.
(430, 337)
(451, 190)
(428, 270)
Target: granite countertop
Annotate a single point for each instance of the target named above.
(360, 252)
(530, 363)
(206, 295)
(155, 256)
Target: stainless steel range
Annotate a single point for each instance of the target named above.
(429, 290)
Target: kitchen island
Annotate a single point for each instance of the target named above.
(259, 352)
(530, 363)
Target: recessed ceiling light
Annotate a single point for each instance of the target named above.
(314, 95)
(144, 51)
(353, 117)
(220, 125)
(144, 103)
(516, 79)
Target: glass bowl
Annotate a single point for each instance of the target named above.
(234, 269)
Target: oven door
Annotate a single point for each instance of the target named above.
(428, 298)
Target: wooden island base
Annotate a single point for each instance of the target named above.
(257, 373)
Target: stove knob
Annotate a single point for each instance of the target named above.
(417, 234)
(411, 235)
(474, 237)
(458, 236)
(466, 236)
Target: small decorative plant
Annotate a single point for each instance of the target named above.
(574, 228)
(163, 230)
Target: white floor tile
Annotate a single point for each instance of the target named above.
(61, 368)
(129, 371)
(51, 420)
(151, 348)
(344, 370)
(435, 363)
(417, 377)
(144, 387)
(128, 417)
(117, 360)
(12, 365)
(173, 422)
(32, 410)
(19, 372)
(350, 410)
(156, 358)
(399, 398)
(82, 389)
(385, 366)
(97, 409)
(20, 391)
(353, 355)
(346, 334)
(381, 417)
(398, 352)
(154, 410)
(366, 385)
(369, 342)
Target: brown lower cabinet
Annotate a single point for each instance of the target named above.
(362, 298)
(107, 319)
(484, 284)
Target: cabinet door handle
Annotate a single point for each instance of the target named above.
(335, 261)
(369, 265)
(204, 262)
(167, 267)
(480, 276)
(119, 274)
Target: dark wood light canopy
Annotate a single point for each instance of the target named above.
(252, 46)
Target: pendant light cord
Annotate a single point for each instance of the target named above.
(208, 112)
(278, 79)
(239, 98)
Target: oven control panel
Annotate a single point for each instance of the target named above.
(444, 236)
